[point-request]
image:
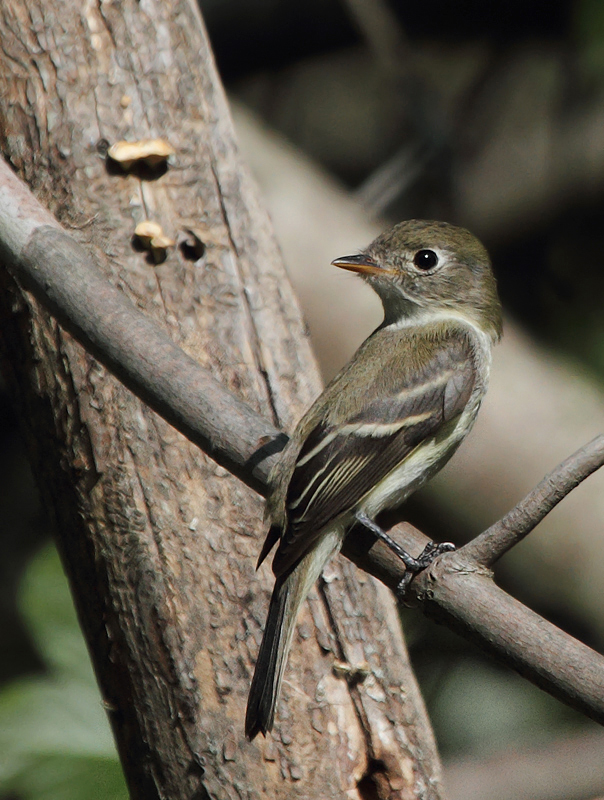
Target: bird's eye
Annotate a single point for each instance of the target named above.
(425, 259)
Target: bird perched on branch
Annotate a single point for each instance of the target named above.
(384, 425)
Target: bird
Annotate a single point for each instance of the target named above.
(387, 422)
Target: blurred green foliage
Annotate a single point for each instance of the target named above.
(55, 740)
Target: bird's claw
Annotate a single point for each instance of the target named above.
(412, 565)
(431, 551)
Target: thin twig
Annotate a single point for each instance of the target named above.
(490, 545)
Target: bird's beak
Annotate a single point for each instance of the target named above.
(360, 263)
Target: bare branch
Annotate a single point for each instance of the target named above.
(455, 590)
(490, 545)
(458, 592)
(464, 597)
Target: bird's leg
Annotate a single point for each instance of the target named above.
(412, 564)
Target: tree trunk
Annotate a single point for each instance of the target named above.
(158, 542)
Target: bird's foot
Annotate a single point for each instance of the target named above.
(431, 551)
(412, 565)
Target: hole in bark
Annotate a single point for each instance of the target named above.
(368, 785)
(192, 250)
(192, 245)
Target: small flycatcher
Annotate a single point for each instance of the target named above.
(384, 425)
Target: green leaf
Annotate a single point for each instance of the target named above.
(55, 740)
(46, 605)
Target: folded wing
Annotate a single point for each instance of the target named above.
(340, 463)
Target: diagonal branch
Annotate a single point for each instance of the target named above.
(65, 278)
(460, 593)
(457, 589)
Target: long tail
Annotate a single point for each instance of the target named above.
(288, 595)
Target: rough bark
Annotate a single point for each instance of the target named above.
(159, 543)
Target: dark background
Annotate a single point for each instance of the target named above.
(478, 113)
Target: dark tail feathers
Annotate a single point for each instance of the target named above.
(266, 683)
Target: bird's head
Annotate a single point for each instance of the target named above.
(423, 266)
